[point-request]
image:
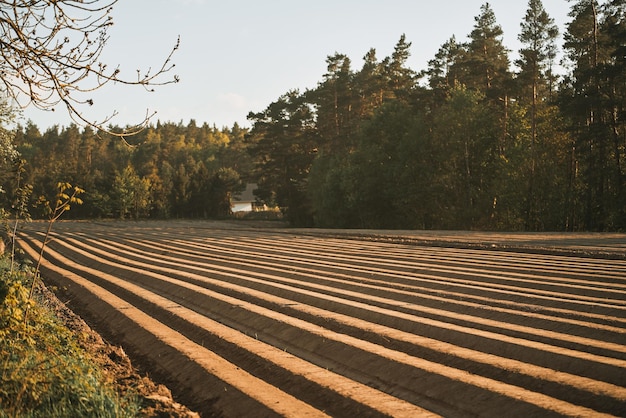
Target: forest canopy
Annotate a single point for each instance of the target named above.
(473, 141)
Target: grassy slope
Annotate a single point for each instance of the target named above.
(50, 370)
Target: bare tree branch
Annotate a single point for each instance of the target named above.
(50, 57)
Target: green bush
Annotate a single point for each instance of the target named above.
(44, 372)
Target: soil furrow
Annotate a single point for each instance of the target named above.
(378, 312)
(482, 258)
(169, 350)
(446, 282)
(417, 260)
(294, 283)
(494, 387)
(349, 327)
(373, 283)
(190, 321)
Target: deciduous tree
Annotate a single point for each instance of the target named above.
(50, 56)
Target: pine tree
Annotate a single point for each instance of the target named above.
(441, 70)
(591, 48)
(399, 77)
(538, 37)
(484, 65)
(334, 99)
(615, 74)
(369, 86)
(283, 142)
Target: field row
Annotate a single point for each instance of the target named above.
(265, 322)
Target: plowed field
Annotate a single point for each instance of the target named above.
(252, 321)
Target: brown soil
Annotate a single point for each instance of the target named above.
(156, 398)
(249, 321)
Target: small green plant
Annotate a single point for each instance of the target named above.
(19, 206)
(66, 196)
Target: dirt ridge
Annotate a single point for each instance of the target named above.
(453, 331)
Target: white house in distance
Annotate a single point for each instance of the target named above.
(245, 201)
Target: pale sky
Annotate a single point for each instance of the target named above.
(238, 56)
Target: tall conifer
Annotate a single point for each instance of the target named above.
(538, 37)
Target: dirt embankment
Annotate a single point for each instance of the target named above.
(116, 365)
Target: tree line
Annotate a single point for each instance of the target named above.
(168, 170)
(468, 142)
(474, 141)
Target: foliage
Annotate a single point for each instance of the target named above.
(8, 151)
(483, 63)
(66, 196)
(594, 99)
(170, 170)
(284, 146)
(44, 372)
(131, 193)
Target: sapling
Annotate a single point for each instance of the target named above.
(66, 196)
